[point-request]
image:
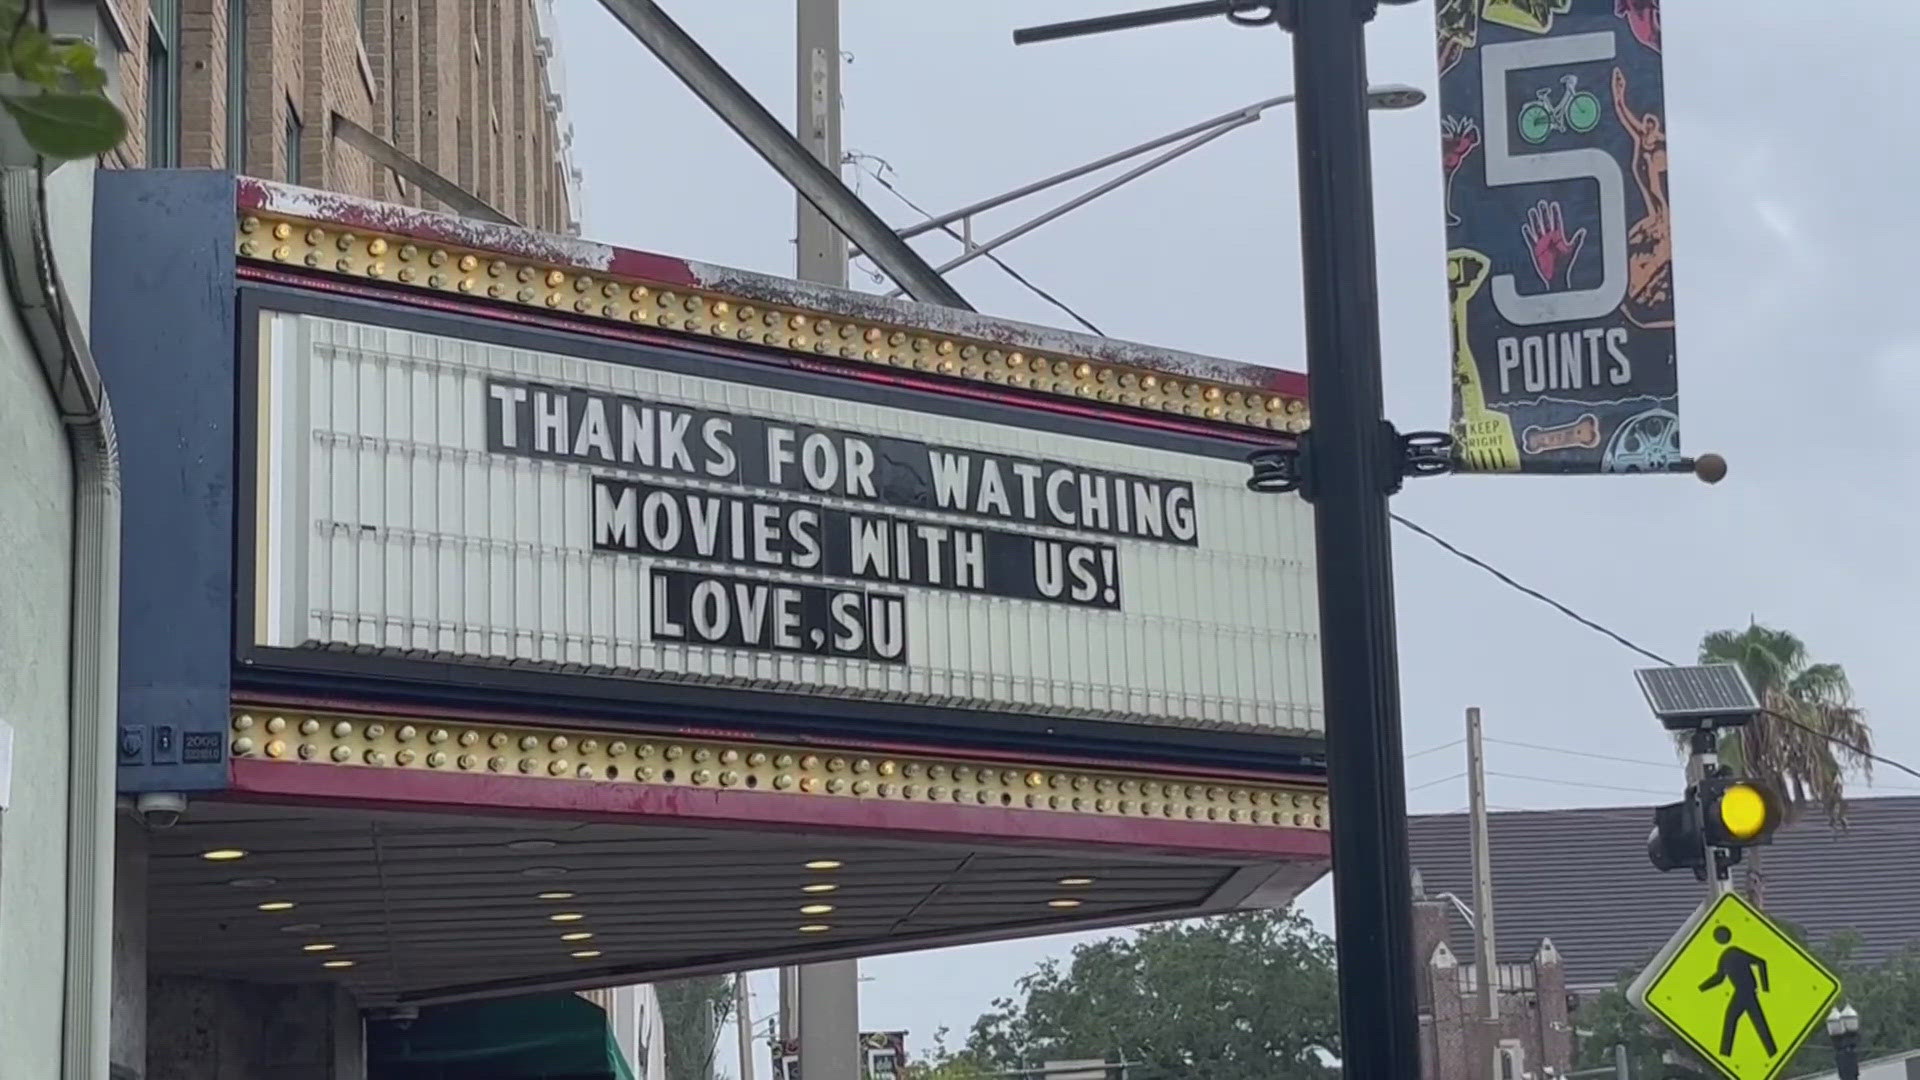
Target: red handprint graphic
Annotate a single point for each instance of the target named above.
(1643, 18)
(1459, 137)
(1553, 251)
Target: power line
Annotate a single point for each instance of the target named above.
(1574, 783)
(1435, 749)
(1582, 753)
(860, 161)
(1435, 783)
(1629, 644)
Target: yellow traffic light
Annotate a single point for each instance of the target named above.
(1744, 812)
(1738, 812)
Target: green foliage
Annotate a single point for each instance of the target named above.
(942, 1063)
(1809, 739)
(1240, 997)
(53, 87)
(691, 1012)
(1887, 996)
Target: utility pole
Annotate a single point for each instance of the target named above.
(1484, 938)
(743, 1028)
(825, 1003)
(1347, 465)
(821, 248)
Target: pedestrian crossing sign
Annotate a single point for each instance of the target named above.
(1739, 991)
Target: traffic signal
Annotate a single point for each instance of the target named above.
(1676, 841)
(1721, 812)
(1738, 813)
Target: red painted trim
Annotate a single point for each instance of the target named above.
(597, 328)
(510, 717)
(408, 789)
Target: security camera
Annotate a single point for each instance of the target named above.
(160, 809)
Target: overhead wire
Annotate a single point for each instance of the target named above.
(1435, 783)
(1434, 749)
(860, 161)
(1507, 579)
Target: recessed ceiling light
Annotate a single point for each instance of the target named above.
(815, 928)
(300, 928)
(544, 871)
(825, 864)
(819, 887)
(1076, 882)
(225, 854)
(585, 954)
(816, 909)
(254, 882)
(277, 905)
(336, 964)
(577, 935)
(532, 845)
(566, 916)
(319, 946)
(1063, 903)
(555, 896)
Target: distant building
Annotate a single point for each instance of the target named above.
(1581, 878)
(471, 91)
(1533, 1033)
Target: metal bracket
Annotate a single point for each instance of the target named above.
(1282, 470)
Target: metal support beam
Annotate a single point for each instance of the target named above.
(1391, 96)
(818, 184)
(974, 251)
(380, 150)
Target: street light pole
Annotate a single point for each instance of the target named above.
(1352, 461)
(1346, 464)
(1843, 1027)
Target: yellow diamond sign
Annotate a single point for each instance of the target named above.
(1737, 989)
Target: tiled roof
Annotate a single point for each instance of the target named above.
(1581, 878)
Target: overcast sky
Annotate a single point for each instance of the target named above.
(1799, 339)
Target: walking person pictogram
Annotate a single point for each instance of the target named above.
(1748, 975)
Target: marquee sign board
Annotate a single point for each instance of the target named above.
(460, 493)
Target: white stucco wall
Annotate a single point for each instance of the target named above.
(36, 516)
(36, 513)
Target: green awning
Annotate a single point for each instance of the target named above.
(540, 1037)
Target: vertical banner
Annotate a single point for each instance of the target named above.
(1559, 236)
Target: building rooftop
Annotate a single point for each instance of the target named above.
(1581, 878)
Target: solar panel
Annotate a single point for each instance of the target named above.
(1701, 692)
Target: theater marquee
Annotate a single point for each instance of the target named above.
(453, 492)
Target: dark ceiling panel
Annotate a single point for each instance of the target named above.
(428, 905)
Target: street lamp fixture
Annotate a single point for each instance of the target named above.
(1843, 1028)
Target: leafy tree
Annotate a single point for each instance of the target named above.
(942, 1063)
(1241, 997)
(691, 1013)
(1811, 735)
(52, 87)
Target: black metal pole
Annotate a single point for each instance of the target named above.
(1353, 464)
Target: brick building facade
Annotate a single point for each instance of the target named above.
(1533, 1037)
(469, 88)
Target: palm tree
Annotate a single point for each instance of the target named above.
(1810, 737)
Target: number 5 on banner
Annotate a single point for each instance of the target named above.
(1505, 168)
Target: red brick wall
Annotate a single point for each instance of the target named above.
(457, 84)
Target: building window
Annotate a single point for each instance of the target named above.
(360, 16)
(1512, 1060)
(294, 131)
(237, 85)
(163, 84)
